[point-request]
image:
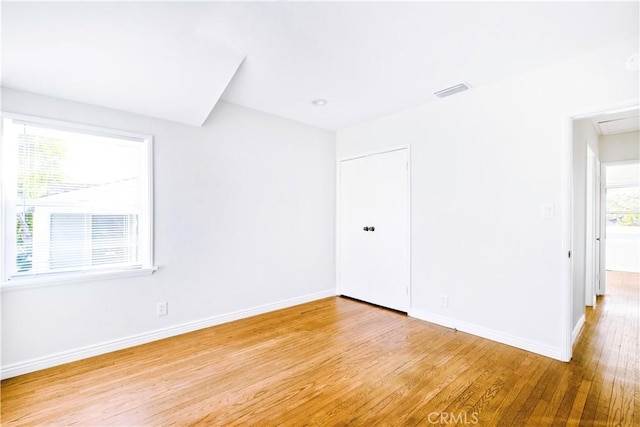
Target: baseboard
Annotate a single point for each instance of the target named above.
(491, 334)
(36, 364)
(577, 329)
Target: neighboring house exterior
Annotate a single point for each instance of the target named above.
(67, 235)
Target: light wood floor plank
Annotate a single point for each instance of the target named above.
(340, 362)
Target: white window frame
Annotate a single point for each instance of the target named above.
(7, 196)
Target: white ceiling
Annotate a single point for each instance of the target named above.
(117, 56)
(368, 59)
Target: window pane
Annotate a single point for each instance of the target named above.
(623, 220)
(114, 239)
(68, 240)
(623, 207)
(24, 241)
(623, 226)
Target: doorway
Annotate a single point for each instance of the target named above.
(374, 229)
(595, 138)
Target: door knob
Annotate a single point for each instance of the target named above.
(366, 229)
(372, 228)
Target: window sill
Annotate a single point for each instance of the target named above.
(42, 282)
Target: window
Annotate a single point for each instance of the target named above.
(76, 199)
(623, 206)
(622, 209)
(92, 240)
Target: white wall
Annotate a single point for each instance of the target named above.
(620, 147)
(244, 222)
(623, 249)
(584, 134)
(484, 163)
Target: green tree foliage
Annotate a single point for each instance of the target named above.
(39, 165)
(628, 219)
(39, 168)
(623, 206)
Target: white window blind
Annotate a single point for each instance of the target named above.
(76, 199)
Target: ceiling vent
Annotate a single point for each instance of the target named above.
(452, 90)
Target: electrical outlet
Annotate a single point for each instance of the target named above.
(162, 308)
(444, 300)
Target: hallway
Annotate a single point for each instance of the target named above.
(605, 364)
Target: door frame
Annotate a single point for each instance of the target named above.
(339, 160)
(566, 216)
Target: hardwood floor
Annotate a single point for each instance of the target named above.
(342, 362)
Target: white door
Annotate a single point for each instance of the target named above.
(603, 231)
(590, 237)
(598, 229)
(374, 229)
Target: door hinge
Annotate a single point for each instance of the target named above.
(569, 255)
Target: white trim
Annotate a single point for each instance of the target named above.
(621, 162)
(566, 239)
(410, 229)
(7, 202)
(34, 282)
(338, 206)
(491, 334)
(612, 108)
(3, 190)
(150, 241)
(338, 228)
(577, 329)
(624, 185)
(71, 126)
(31, 365)
(373, 153)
